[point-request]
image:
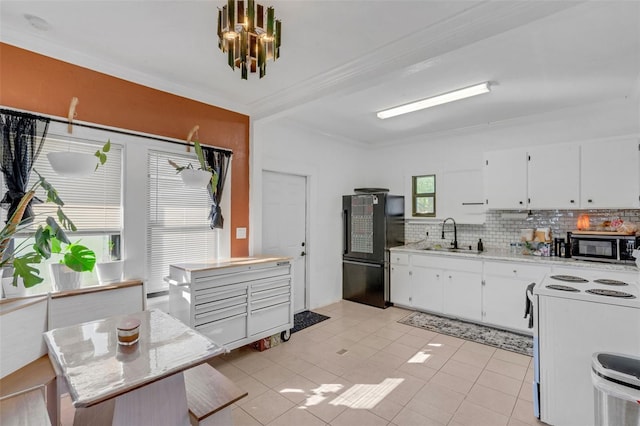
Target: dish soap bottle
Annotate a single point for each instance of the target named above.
(480, 245)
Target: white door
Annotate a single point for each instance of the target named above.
(284, 221)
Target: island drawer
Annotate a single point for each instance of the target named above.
(270, 317)
(226, 331)
(220, 314)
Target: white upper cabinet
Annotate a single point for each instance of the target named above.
(506, 179)
(554, 177)
(610, 174)
(460, 196)
(589, 175)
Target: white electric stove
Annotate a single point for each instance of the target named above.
(575, 316)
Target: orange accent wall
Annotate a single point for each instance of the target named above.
(41, 84)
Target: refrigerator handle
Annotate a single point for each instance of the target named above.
(345, 227)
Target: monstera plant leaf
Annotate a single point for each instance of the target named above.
(79, 258)
(22, 267)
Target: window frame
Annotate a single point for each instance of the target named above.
(416, 195)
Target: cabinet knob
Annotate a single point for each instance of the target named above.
(410, 272)
(449, 276)
(437, 275)
(572, 201)
(515, 271)
(520, 202)
(589, 201)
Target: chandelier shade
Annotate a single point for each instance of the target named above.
(250, 35)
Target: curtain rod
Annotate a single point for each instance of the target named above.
(107, 129)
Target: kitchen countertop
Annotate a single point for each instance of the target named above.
(505, 255)
(229, 262)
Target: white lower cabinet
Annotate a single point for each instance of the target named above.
(400, 284)
(462, 288)
(438, 284)
(428, 283)
(503, 293)
(490, 292)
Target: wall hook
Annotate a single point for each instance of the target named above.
(194, 131)
(72, 113)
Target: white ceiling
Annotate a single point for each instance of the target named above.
(341, 61)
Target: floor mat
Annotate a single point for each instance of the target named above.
(506, 340)
(305, 319)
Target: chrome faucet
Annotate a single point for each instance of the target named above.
(455, 231)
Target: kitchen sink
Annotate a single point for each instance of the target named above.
(452, 250)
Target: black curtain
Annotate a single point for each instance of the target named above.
(219, 161)
(22, 139)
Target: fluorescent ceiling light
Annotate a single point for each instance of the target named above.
(456, 95)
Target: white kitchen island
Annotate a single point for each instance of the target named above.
(233, 301)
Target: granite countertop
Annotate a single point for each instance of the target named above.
(229, 262)
(506, 255)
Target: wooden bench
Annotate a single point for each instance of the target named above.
(210, 395)
(24, 408)
(36, 374)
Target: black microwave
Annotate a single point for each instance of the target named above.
(614, 248)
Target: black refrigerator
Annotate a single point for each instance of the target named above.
(373, 223)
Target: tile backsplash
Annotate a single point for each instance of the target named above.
(502, 227)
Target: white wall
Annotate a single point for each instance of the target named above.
(336, 167)
(333, 168)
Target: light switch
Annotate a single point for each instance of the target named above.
(241, 233)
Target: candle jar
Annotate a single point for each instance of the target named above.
(128, 331)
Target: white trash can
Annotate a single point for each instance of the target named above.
(616, 382)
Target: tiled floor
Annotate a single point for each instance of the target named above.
(361, 367)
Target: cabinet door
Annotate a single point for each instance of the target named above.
(428, 289)
(463, 295)
(460, 195)
(504, 302)
(506, 179)
(610, 174)
(554, 177)
(400, 285)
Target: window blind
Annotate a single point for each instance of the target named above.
(178, 227)
(94, 202)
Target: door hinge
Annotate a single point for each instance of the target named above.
(487, 161)
(486, 201)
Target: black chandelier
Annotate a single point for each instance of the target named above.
(250, 35)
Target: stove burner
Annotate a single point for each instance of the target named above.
(569, 278)
(606, 281)
(610, 293)
(562, 287)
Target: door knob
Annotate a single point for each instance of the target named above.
(303, 254)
